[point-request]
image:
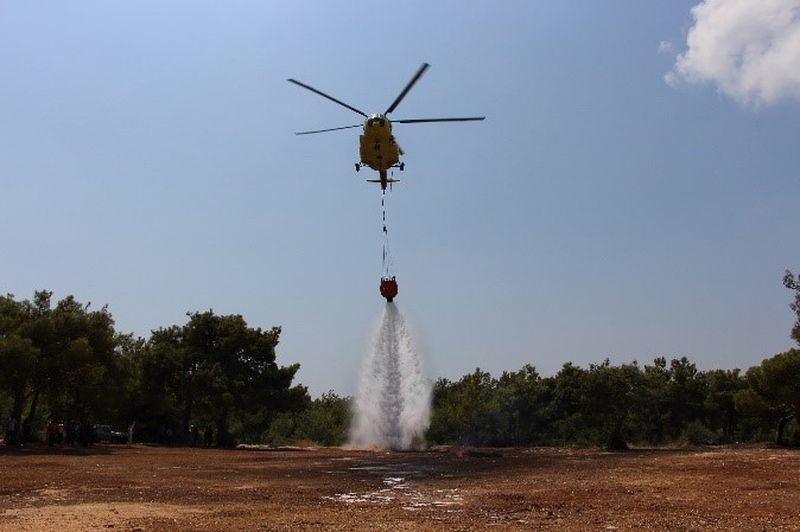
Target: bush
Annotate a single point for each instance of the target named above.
(325, 422)
(698, 434)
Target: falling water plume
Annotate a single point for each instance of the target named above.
(393, 401)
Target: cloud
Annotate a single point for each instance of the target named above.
(666, 47)
(750, 49)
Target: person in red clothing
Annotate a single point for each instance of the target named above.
(52, 432)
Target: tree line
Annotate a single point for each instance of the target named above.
(613, 406)
(65, 361)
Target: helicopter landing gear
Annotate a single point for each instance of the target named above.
(358, 167)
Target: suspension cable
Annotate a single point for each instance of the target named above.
(387, 258)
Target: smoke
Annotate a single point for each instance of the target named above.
(393, 402)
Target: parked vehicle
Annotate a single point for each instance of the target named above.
(108, 434)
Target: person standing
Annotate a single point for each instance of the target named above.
(11, 431)
(52, 432)
(130, 433)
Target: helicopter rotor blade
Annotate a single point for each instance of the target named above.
(331, 98)
(407, 88)
(326, 130)
(422, 120)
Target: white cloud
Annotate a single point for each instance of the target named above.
(666, 47)
(750, 49)
(671, 79)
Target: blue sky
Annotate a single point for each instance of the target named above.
(147, 161)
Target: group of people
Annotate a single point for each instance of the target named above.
(196, 437)
(70, 433)
(16, 432)
(58, 432)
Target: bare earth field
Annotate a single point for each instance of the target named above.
(155, 488)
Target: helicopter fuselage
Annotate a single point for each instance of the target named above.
(377, 146)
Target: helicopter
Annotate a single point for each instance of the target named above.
(377, 146)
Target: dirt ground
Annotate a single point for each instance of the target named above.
(155, 488)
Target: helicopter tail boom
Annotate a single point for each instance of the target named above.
(384, 180)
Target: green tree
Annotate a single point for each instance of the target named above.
(466, 411)
(686, 393)
(651, 418)
(38, 327)
(566, 410)
(611, 393)
(324, 421)
(18, 359)
(720, 403)
(519, 394)
(233, 374)
(87, 369)
(757, 418)
(777, 382)
(63, 354)
(792, 283)
(127, 390)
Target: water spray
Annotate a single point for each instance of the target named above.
(393, 401)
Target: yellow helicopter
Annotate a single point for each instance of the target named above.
(377, 147)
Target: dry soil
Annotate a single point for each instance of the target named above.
(155, 488)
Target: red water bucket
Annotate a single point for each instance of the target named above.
(388, 288)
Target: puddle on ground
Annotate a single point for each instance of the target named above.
(404, 494)
(399, 487)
